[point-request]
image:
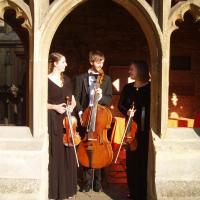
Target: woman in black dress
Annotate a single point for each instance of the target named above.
(138, 93)
(62, 163)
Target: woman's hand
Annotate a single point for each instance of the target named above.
(60, 108)
(71, 107)
(131, 112)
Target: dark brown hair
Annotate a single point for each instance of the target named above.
(142, 70)
(55, 57)
(96, 56)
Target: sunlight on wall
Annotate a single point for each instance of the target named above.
(174, 99)
(116, 84)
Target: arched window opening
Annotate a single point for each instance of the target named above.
(14, 47)
(184, 90)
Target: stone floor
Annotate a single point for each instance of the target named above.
(110, 191)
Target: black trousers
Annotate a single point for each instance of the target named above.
(91, 178)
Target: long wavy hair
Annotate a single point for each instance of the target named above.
(55, 57)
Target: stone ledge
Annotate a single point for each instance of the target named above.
(180, 146)
(16, 196)
(15, 132)
(178, 189)
(179, 198)
(21, 145)
(21, 159)
(24, 186)
(182, 134)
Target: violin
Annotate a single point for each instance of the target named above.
(67, 139)
(95, 150)
(70, 137)
(128, 138)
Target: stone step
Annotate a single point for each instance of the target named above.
(180, 146)
(182, 134)
(177, 165)
(178, 190)
(17, 196)
(23, 164)
(19, 158)
(179, 198)
(18, 189)
(21, 145)
(15, 133)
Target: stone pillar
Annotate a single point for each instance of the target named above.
(165, 7)
(39, 72)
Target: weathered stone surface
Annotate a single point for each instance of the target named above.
(178, 166)
(24, 186)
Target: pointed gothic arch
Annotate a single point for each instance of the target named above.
(147, 20)
(179, 10)
(22, 11)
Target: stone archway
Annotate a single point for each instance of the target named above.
(147, 20)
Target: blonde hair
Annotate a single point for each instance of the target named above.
(55, 57)
(96, 56)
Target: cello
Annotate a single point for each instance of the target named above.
(95, 150)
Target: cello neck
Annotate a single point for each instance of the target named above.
(92, 122)
(93, 111)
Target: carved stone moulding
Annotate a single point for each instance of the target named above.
(22, 11)
(178, 11)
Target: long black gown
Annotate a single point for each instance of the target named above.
(136, 161)
(62, 163)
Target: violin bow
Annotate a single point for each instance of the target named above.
(124, 134)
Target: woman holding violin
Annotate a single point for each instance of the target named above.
(86, 93)
(135, 97)
(62, 161)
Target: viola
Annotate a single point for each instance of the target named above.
(95, 150)
(128, 138)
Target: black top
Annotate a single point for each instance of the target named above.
(141, 99)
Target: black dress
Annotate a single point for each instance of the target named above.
(62, 163)
(136, 161)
